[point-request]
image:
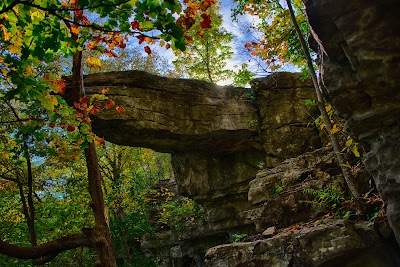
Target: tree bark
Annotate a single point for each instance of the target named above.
(48, 250)
(102, 243)
(31, 208)
(320, 102)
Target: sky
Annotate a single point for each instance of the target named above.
(239, 29)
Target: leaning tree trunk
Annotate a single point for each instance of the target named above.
(101, 236)
(320, 102)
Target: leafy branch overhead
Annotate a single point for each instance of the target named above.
(33, 34)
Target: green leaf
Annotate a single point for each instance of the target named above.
(355, 151)
(349, 142)
(146, 25)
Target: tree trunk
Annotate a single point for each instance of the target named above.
(101, 238)
(320, 100)
(31, 218)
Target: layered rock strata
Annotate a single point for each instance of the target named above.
(218, 139)
(330, 244)
(360, 44)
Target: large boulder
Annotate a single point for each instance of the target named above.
(361, 57)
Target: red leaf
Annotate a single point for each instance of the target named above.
(71, 128)
(189, 22)
(167, 46)
(84, 99)
(135, 25)
(109, 53)
(141, 38)
(206, 23)
(147, 50)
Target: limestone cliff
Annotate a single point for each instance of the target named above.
(246, 162)
(361, 57)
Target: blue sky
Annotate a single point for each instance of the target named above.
(239, 29)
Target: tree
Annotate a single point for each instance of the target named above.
(284, 42)
(274, 39)
(33, 33)
(208, 50)
(321, 106)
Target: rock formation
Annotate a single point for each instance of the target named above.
(328, 244)
(246, 162)
(361, 57)
(174, 115)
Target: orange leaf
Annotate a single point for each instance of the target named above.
(86, 120)
(93, 109)
(60, 86)
(109, 103)
(105, 91)
(79, 106)
(200, 33)
(99, 141)
(75, 29)
(85, 21)
(120, 109)
(206, 4)
(91, 45)
(94, 62)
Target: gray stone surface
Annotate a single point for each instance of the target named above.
(286, 128)
(329, 244)
(361, 43)
(172, 115)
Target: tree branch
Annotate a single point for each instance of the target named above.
(11, 6)
(28, 3)
(351, 184)
(47, 250)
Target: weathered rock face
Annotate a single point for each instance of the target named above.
(175, 115)
(278, 193)
(218, 140)
(361, 73)
(172, 115)
(280, 100)
(331, 244)
(242, 206)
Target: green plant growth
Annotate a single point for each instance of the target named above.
(238, 237)
(330, 198)
(208, 50)
(278, 188)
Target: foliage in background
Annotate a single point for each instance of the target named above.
(208, 50)
(274, 38)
